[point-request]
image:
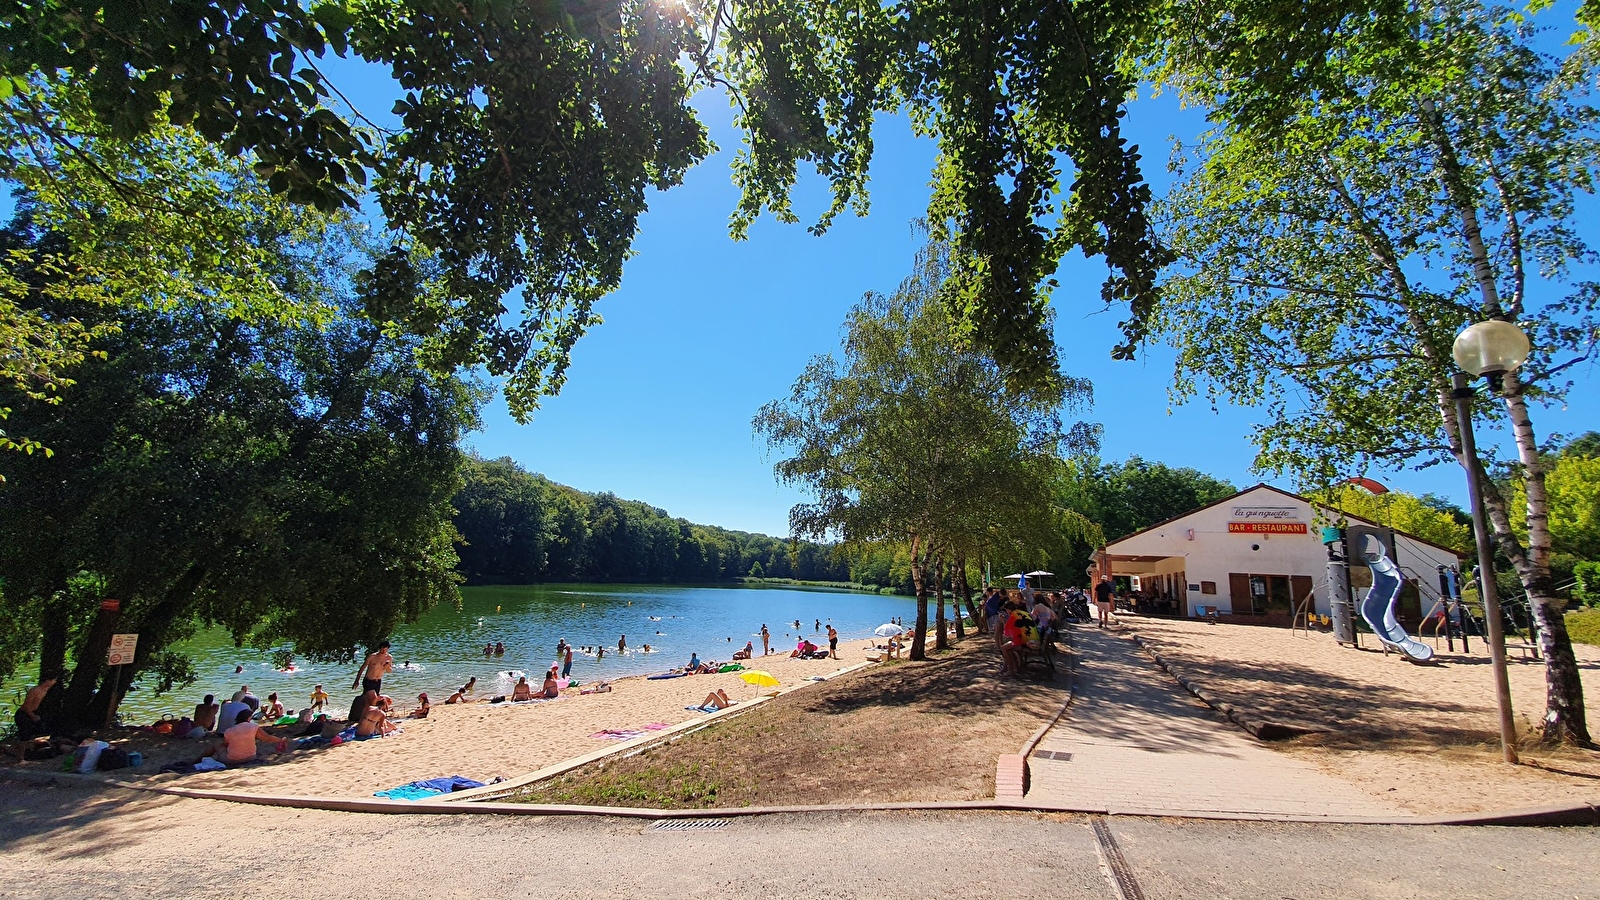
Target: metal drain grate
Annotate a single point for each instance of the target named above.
(687, 824)
(1061, 755)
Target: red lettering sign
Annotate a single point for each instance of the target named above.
(110, 605)
(1266, 528)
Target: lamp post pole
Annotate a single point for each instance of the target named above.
(1491, 595)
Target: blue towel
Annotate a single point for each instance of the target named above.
(408, 792)
(448, 784)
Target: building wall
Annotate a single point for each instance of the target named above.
(1207, 549)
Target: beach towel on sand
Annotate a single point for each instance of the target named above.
(430, 787)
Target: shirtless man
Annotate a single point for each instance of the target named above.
(377, 664)
(29, 723)
(205, 713)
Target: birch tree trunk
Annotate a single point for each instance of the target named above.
(1564, 718)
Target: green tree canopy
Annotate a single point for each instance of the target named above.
(909, 438)
(286, 481)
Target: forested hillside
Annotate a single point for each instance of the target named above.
(522, 528)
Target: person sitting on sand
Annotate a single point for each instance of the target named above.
(238, 744)
(749, 649)
(694, 664)
(205, 714)
(358, 706)
(28, 720)
(373, 722)
(422, 711)
(717, 698)
(274, 707)
(522, 691)
(243, 695)
(552, 688)
(457, 697)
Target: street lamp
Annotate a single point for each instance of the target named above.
(1488, 349)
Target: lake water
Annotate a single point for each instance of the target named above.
(445, 647)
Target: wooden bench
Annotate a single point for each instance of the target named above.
(1044, 656)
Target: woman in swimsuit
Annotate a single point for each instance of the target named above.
(552, 688)
(522, 691)
(374, 723)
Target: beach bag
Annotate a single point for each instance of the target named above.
(111, 759)
(88, 756)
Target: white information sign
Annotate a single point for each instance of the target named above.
(122, 647)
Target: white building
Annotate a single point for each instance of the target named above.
(1259, 553)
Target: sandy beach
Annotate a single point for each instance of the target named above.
(481, 741)
(1420, 736)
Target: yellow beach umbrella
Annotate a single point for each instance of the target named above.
(759, 678)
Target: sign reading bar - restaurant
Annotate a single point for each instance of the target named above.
(1266, 528)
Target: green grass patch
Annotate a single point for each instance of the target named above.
(1584, 626)
(661, 786)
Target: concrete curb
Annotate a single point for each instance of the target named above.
(1554, 815)
(1258, 728)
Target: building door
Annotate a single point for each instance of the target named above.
(1239, 592)
(1299, 587)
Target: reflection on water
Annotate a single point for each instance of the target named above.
(439, 652)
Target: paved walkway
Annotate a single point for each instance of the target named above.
(1135, 740)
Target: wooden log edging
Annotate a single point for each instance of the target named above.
(1260, 729)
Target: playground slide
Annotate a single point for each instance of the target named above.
(1378, 606)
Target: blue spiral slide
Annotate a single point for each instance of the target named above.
(1378, 606)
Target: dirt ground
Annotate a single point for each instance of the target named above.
(904, 731)
(1422, 736)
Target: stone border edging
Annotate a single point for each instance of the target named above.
(1258, 728)
(1011, 772)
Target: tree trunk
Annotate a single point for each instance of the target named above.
(963, 593)
(1564, 719)
(78, 707)
(919, 580)
(941, 637)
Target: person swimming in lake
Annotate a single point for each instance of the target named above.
(499, 649)
(622, 644)
(488, 650)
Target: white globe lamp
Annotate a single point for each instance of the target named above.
(1490, 348)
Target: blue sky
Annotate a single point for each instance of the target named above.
(705, 330)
